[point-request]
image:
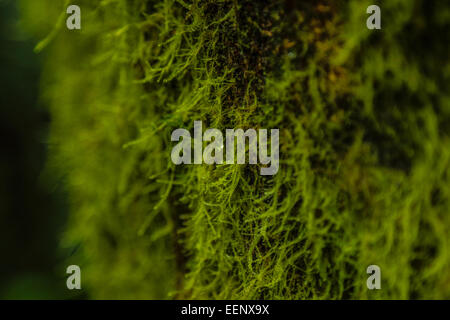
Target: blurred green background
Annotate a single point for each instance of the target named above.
(32, 206)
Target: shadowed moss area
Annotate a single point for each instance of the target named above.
(364, 119)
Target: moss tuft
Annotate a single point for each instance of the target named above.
(364, 120)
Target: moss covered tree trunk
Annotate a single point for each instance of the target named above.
(364, 121)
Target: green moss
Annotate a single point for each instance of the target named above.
(364, 141)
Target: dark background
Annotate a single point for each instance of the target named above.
(32, 206)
